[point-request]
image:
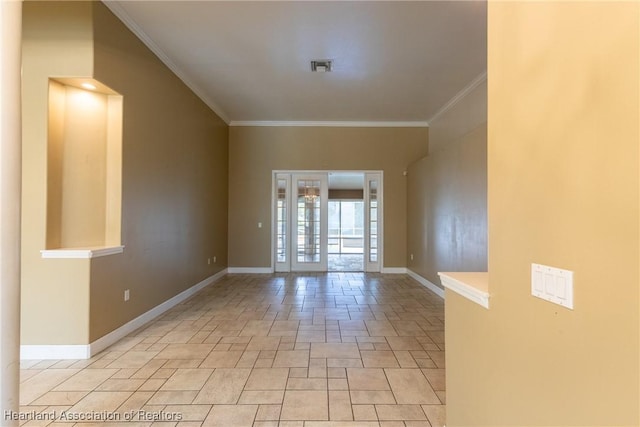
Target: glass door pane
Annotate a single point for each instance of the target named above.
(281, 222)
(373, 199)
(309, 228)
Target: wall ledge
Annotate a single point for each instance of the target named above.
(66, 352)
(472, 285)
(89, 252)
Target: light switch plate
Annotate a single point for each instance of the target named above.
(552, 284)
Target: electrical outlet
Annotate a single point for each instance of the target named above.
(214, 258)
(126, 294)
(411, 257)
(209, 261)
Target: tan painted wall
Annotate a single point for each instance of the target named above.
(563, 171)
(174, 204)
(447, 193)
(57, 41)
(174, 178)
(255, 151)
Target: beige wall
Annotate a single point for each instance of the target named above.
(563, 173)
(255, 151)
(174, 204)
(447, 193)
(174, 181)
(57, 41)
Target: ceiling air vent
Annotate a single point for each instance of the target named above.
(321, 65)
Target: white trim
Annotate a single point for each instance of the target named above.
(82, 252)
(393, 270)
(43, 352)
(465, 289)
(459, 96)
(119, 11)
(54, 352)
(250, 270)
(307, 123)
(426, 283)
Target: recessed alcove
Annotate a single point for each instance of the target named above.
(84, 166)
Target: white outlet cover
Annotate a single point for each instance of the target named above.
(552, 284)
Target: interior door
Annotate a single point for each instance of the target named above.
(309, 222)
(373, 222)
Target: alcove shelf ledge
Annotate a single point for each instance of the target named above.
(471, 285)
(87, 252)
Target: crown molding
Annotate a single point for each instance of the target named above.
(459, 96)
(351, 124)
(119, 11)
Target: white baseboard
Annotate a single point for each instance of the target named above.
(394, 270)
(424, 282)
(48, 352)
(54, 352)
(250, 270)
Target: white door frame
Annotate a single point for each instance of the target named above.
(290, 202)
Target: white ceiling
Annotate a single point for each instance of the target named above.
(249, 61)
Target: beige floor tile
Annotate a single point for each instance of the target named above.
(367, 379)
(120, 385)
(342, 424)
(223, 387)
(185, 351)
(335, 350)
(291, 359)
(438, 358)
(187, 379)
(98, 401)
(268, 412)
(403, 343)
(256, 328)
(338, 384)
(177, 337)
(340, 406)
(380, 328)
(189, 412)
(364, 412)
(436, 378)
(58, 398)
(231, 416)
(267, 379)
(133, 359)
(305, 405)
(284, 325)
(263, 343)
(173, 397)
(135, 402)
(436, 414)
(372, 397)
(409, 386)
(273, 397)
(307, 384)
(222, 359)
(400, 412)
(405, 359)
(344, 363)
(379, 359)
(43, 382)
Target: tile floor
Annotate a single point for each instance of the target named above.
(314, 350)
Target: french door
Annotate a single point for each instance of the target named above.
(300, 204)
